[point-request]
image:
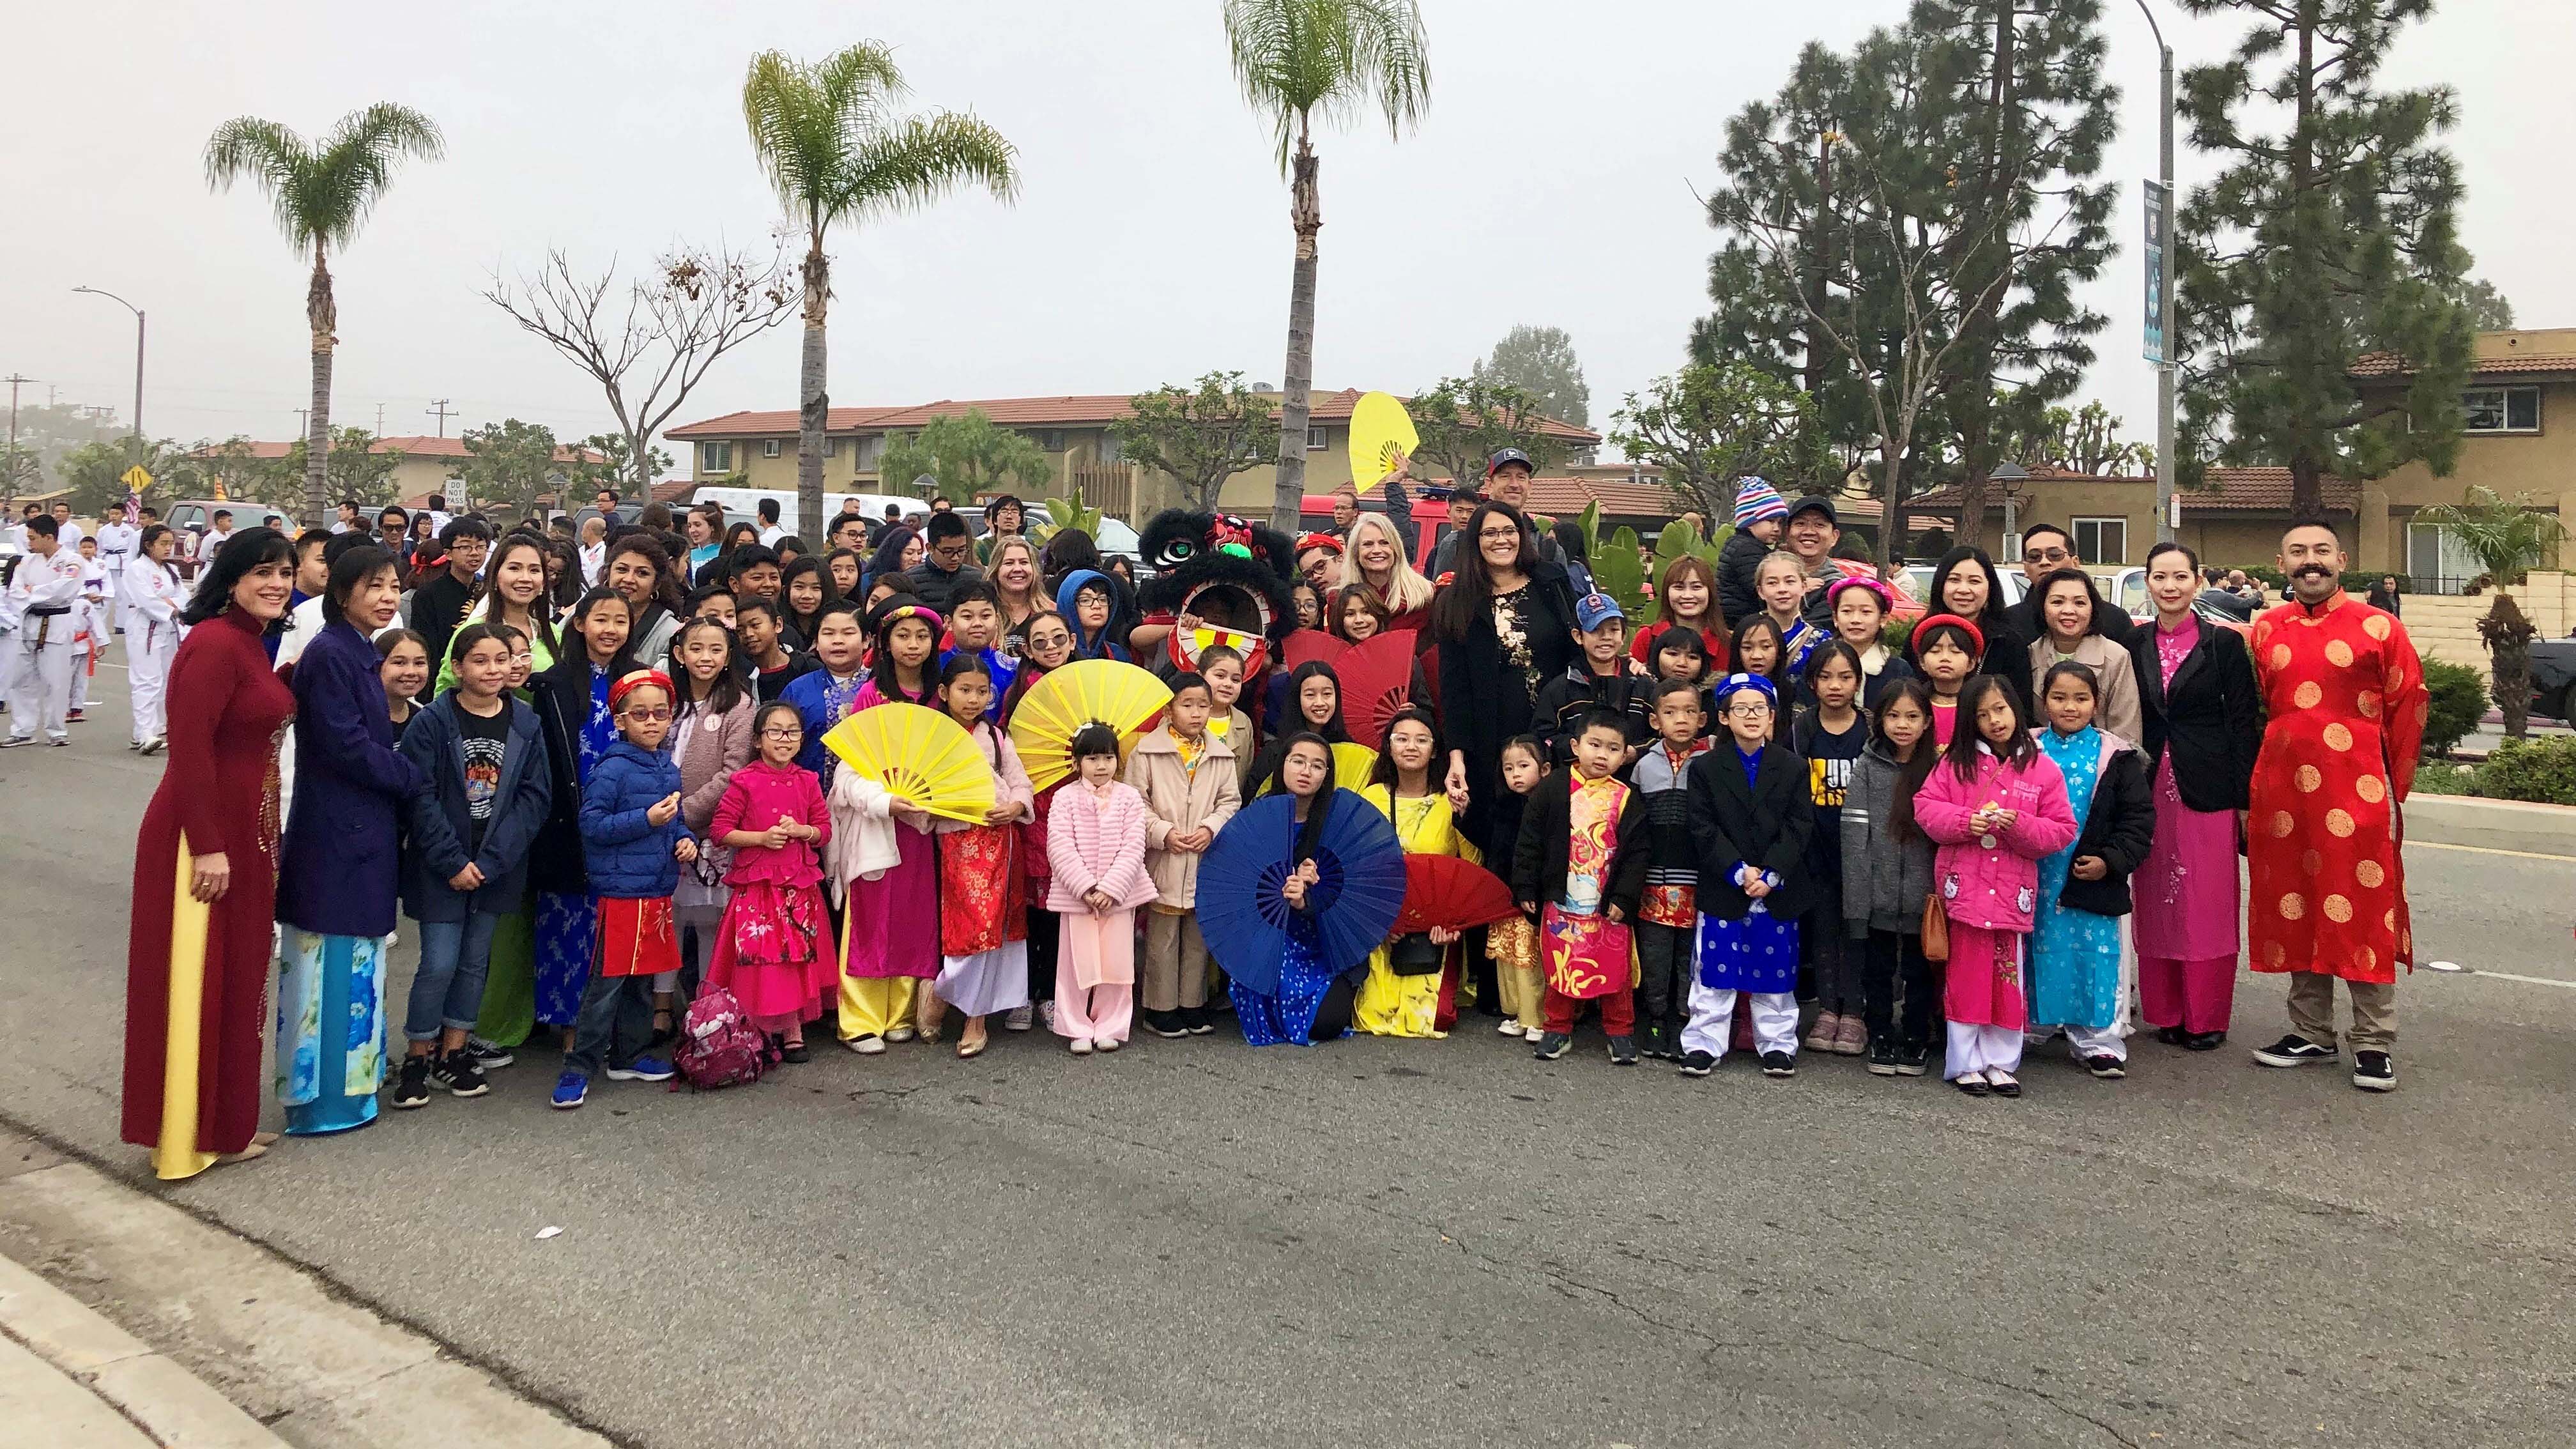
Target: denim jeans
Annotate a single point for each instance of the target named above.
(615, 1022)
(447, 990)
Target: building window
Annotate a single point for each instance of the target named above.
(2436, 563)
(2102, 540)
(769, 447)
(1110, 452)
(831, 447)
(1050, 439)
(1315, 440)
(2501, 409)
(871, 447)
(715, 457)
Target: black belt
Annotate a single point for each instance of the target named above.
(49, 611)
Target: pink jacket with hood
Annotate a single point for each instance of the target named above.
(1992, 881)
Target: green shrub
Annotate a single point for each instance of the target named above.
(2459, 702)
(1897, 633)
(2542, 770)
(2440, 777)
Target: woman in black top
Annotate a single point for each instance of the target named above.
(1504, 626)
(1965, 583)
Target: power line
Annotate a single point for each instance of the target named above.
(441, 411)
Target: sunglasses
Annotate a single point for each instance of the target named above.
(651, 714)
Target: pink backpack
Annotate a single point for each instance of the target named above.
(719, 1047)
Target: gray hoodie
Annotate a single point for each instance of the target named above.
(1884, 879)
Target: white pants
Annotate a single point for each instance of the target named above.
(8, 663)
(43, 687)
(1981, 1049)
(1712, 1012)
(2082, 1042)
(148, 652)
(83, 664)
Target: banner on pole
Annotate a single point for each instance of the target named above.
(2156, 281)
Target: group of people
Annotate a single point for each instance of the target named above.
(1762, 822)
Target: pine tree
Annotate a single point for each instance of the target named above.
(2333, 238)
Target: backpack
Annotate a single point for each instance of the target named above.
(719, 1047)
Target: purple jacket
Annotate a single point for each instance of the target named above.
(1992, 881)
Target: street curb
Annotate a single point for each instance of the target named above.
(163, 1399)
(2491, 824)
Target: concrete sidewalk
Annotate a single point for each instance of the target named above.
(245, 1350)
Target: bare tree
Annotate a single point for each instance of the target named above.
(694, 306)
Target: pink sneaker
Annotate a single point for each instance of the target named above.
(1853, 1039)
(1827, 1031)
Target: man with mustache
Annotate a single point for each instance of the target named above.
(2345, 702)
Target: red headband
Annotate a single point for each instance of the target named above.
(630, 682)
(1914, 641)
(1319, 540)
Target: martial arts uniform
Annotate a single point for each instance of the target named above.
(153, 598)
(47, 592)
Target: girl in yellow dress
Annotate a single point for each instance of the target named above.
(1403, 993)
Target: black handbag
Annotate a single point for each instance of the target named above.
(1412, 954)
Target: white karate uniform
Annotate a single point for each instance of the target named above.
(116, 543)
(93, 636)
(153, 598)
(42, 691)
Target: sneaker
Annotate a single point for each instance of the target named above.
(1882, 1059)
(458, 1073)
(413, 1088)
(1080, 1046)
(1698, 1064)
(1827, 1030)
(1511, 1026)
(151, 746)
(1554, 1044)
(488, 1055)
(642, 1069)
(1779, 1064)
(2374, 1072)
(1911, 1061)
(1020, 1018)
(1623, 1051)
(1104, 1043)
(2106, 1067)
(867, 1045)
(1853, 1039)
(1196, 1019)
(2203, 1041)
(1166, 1024)
(571, 1090)
(900, 1035)
(14, 741)
(2293, 1050)
(72, 716)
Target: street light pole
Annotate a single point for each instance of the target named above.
(138, 352)
(2165, 322)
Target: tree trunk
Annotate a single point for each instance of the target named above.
(2508, 638)
(1305, 213)
(2307, 488)
(1891, 454)
(322, 315)
(2309, 301)
(813, 403)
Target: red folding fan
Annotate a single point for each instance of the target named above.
(1309, 645)
(1377, 680)
(1443, 890)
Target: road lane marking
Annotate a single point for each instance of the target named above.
(2486, 850)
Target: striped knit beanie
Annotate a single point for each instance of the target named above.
(1756, 500)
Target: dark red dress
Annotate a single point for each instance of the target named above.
(226, 708)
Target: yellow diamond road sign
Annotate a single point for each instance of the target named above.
(135, 479)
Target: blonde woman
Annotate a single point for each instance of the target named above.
(1375, 556)
(1014, 574)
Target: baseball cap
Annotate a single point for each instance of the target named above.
(1816, 503)
(1502, 456)
(1594, 609)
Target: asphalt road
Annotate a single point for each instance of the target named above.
(1408, 1243)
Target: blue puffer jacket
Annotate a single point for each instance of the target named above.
(629, 857)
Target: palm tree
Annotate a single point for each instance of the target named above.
(322, 193)
(1295, 58)
(835, 150)
(2506, 539)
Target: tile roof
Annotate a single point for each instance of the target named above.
(1565, 497)
(422, 446)
(1073, 410)
(2518, 352)
(2225, 490)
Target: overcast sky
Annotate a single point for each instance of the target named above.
(1552, 182)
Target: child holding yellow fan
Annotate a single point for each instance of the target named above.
(890, 931)
(983, 880)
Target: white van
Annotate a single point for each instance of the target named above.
(742, 505)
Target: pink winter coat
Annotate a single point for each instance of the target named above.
(1992, 881)
(753, 800)
(1096, 838)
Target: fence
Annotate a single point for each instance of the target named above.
(2445, 626)
(1109, 487)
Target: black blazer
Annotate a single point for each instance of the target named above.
(1547, 827)
(2212, 717)
(2120, 827)
(1764, 824)
(562, 700)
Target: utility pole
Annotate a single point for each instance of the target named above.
(440, 411)
(380, 420)
(2165, 276)
(10, 484)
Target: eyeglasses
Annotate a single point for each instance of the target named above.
(1505, 532)
(782, 732)
(656, 715)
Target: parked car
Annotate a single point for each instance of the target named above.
(2553, 678)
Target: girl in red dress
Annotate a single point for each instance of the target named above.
(205, 875)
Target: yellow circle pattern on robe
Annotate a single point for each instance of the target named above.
(2310, 777)
(2339, 824)
(2338, 654)
(2282, 825)
(2280, 656)
(2307, 695)
(2293, 907)
(2311, 862)
(2369, 874)
(2338, 909)
(2371, 789)
(2338, 737)
(2376, 626)
(2368, 703)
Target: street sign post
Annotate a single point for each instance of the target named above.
(2156, 280)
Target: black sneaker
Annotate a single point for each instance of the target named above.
(1779, 1064)
(1883, 1060)
(2203, 1041)
(490, 1056)
(1623, 1051)
(2171, 1035)
(2106, 1066)
(1165, 1023)
(1195, 1018)
(412, 1090)
(461, 1075)
(1554, 1044)
(2293, 1050)
(2374, 1072)
(1910, 1060)
(1698, 1064)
